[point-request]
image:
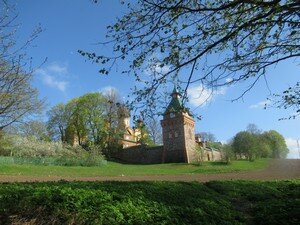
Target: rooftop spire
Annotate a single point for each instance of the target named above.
(175, 105)
(175, 93)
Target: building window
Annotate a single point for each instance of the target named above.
(170, 135)
(176, 134)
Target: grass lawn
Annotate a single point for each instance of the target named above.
(217, 202)
(117, 169)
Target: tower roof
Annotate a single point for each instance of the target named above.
(176, 104)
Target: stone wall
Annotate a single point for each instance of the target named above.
(140, 155)
(212, 155)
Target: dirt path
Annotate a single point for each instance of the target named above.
(277, 170)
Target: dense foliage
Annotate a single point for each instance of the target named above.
(232, 202)
(87, 121)
(255, 145)
(93, 119)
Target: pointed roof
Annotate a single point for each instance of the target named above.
(176, 104)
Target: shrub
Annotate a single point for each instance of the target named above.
(5, 144)
(29, 150)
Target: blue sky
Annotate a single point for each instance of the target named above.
(72, 25)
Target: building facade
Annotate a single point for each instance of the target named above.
(178, 127)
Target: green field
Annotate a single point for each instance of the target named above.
(117, 169)
(222, 203)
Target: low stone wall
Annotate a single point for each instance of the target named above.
(140, 155)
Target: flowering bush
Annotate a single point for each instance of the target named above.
(30, 150)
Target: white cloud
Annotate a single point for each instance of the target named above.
(56, 68)
(160, 69)
(260, 105)
(157, 68)
(50, 76)
(293, 148)
(201, 95)
(108, 90)
(52, 82)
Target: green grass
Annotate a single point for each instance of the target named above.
(222, 203)
(117, 169)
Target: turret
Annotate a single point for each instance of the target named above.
(178, 131)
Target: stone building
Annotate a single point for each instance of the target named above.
(178, 128)
(130, 136)
(179, 141)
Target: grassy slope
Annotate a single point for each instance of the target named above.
(117, 169)
(230, 202)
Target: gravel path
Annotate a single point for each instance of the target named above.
(277, 170)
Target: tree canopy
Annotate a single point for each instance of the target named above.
(94, 119)
(269, 144)
(209, 43)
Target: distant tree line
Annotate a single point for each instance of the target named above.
(253, 144)
(250, 144)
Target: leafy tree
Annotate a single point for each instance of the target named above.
(245, 143)
(267, 144)
(213, 43)
(90, 120)
(144, 137)
(276, 143)
(76, 130)
(86, 122)
(264, 148)
(227, 153)
(92, 111)
(18, 99)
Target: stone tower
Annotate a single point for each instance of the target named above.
(178, 132)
